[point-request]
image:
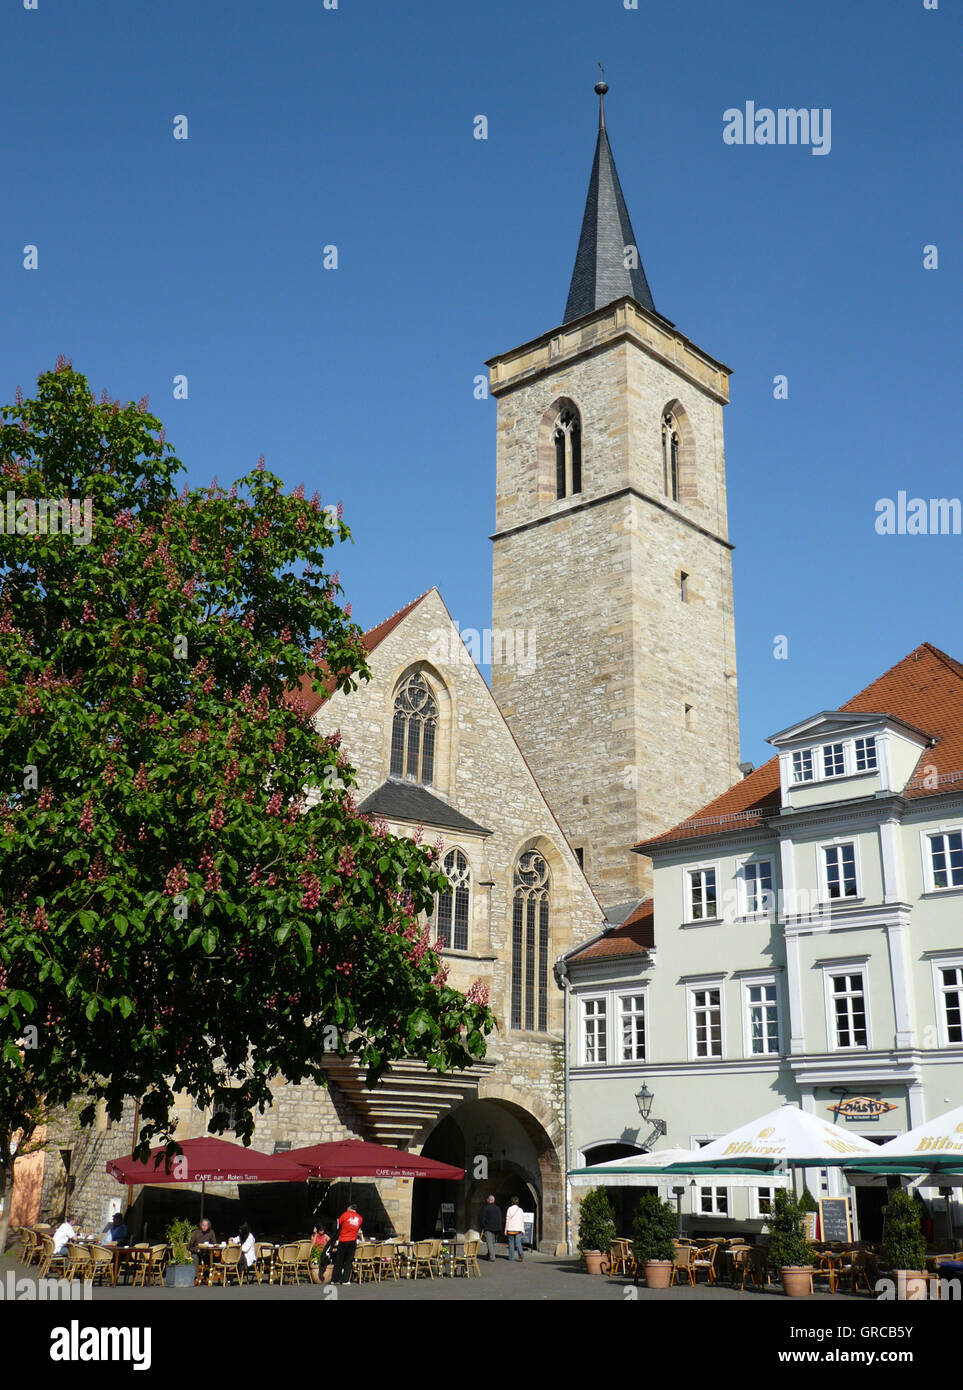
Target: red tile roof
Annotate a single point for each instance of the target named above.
(635, 935)
(925, 689)
(371, 639)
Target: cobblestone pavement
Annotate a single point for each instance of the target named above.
(539, 1278)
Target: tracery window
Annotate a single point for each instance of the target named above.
(671, 443)
(568, 453)
(530, 943)
(454, 907)
(413, 731)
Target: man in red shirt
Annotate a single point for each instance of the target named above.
(349, 1229)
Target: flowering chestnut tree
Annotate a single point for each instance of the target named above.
(189, 898)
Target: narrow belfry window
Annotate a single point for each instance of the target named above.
(413, 732)
(670, 456)
(530, 944)
(568, 454)
(684, 587)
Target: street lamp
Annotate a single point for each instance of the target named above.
(643, 1099)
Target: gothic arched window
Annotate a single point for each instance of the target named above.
(413, 731)
(671, 442)
(567, 437)
(530, 943)
(454, 907)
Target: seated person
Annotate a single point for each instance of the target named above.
(245, 1239)
(203, 1235)
(116, 1230)
(67, 1230)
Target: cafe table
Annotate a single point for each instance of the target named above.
(832, 1263)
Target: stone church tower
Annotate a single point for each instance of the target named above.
(611, 552)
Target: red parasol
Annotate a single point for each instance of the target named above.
(353, 1158)
(207, 1160)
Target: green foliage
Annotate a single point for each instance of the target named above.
(904, 1245)
(596, 1221)
(174, 914)
(787, 1244)
(656, 1224)
(807, 1201)
(178, 1238)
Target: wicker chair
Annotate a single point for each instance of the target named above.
(230, 1265)
(682, 1262)
(468, 1260)
(151, 1264)
(705, 1259)
(367, 1263)
(421, 1258)
(263, 1261)
(51, 1265)
(78, 1261)
(287, 1262)
(102, 1264)
(304, 1258)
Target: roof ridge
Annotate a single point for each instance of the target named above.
(399, 612)
(950, 661)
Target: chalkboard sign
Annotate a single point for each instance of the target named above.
(809, 1224)
(834, 1218)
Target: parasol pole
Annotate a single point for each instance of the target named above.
(201, 1217)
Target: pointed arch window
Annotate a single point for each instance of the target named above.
(567, 437)
(671, 443)
(531, 904)
(413, 731)
(454, 907)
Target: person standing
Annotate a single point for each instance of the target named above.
(514, 1229)
(491, 1224)
(349, 1229)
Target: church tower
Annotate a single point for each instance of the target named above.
(612, 563)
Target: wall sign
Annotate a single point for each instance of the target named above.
(860, 1109)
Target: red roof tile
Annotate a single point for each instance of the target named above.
(925, 689)
(635, 935)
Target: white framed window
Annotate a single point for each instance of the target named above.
(632, 1027)
(865, 755)
(705, 1020)
(595, 1030)
(834, 760)
(945, 867)
(948, 989)
(701, 894)
(761, 1201)
(756, 876)
(763, 1030)
(849, 1015)
(711, 1201)
(802, 765)
(840, 877)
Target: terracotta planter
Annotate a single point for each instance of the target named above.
(315, 1272)
(911, 1285)
(797, 1280)
(594, 1260)
(658, 1273)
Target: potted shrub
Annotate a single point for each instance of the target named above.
(655, 1226)
(789, 1250)
(319, 1275)
(904, 1245)
(180, 1266)
(596, 1229)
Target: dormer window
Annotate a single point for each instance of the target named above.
(865, 750)
(802, 765)
(834, 761)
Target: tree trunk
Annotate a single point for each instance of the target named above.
(6, 1185)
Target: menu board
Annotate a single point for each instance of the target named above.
(834, 1221)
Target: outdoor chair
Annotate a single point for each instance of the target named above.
(389, 1260)
(304, 1258)
(619, 1256)
(439, 1255)
(682, 1259)
(367, 1263)
(705, 1259)
(101, 1264)
(151, 1263)
(51, 1265)
(231, 1265)
(78, 1262)
(469, 1260)
(287, 1262)
(864, 1269)
(263, 1261)
(420, 1258)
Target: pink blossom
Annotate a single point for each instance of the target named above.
(176, 881)
(87, 818)
(273, 807)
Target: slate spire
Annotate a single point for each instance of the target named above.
(601, 274)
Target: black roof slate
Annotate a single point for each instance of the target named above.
(397, 800)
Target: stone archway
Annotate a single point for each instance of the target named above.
(505, 1150)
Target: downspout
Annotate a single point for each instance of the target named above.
(562, 979)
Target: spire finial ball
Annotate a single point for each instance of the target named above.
(601, 88)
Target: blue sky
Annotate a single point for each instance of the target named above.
(354, 127)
